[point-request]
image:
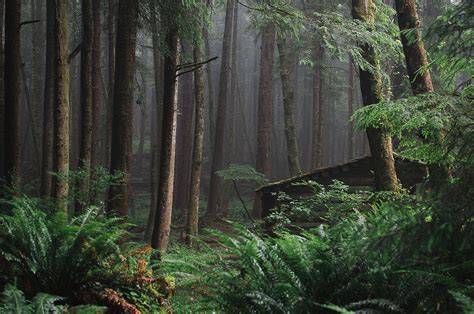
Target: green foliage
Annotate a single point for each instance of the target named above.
(13, 301)
(437, 129)
(81, 260)
(242, 173)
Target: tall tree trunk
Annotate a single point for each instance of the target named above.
(416, 59)
(317, 113)
(158, 70)
(192, 221)
(96, 83)
(265, 109)
(2, 89)
(380, 141)
(61, 106)
(48, 102)
(162, 228)
(218, 155)
(111, 38)
(350, 109)
(210, 91)
(184, 137)
(12, 92)
(288, 106)
(413, 48)
(86, 106)
(122, 123)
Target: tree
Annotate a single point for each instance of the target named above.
(265, 108)
(288, 105)
(12, 68)
(2, 89)
(48, 102)
(158, 72)
(192, 221)
(317, 125)
(121, 149)
(162, 228)
(371, 86)
(86, 103)
(96, 83)
(218, 155)
(61, 106)
(413, 48)
(111, 37)
(350, 109)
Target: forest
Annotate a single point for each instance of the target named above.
(236, 156)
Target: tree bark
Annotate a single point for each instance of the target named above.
(210, 91)
(48, 103)
(12, 93)
(265, 109)
(96, 84)
(350, 109)
(158, 64)
(111, 37)
(2, 89)
(218, 155)
(192, 222)
(288, 106)
(162, 228)
(416, 59)
(380, 141)
(86, 107)
(61, 106)
(413, 48)
(122, 123)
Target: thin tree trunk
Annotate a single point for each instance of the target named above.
(218, 155)
(162, 228)
(122, 110)
(61, 106)
(380, 141)
(288, 106)
(48, 102)
(210, 90)
(96, 84)
(192, 222)
(265, 109)
(111, 37)
(12, 93)
(350, 108)
(159, 77)
(2, 95)
(317, 112)
(86, 106)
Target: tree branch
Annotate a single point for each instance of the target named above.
(28, 22)
(74, 53)
(188, 65)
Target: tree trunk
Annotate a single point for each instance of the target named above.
(192, 221)
(86, 106)
(162, 228)
(413, 48)
(380, 141)
(350, 109)
(317, 113)
(48, 103)
(210, 91)
(12, 93)
(218, 155)
(96, 84)
(61, 106)
(122, 123)
(416, 59)
(159, 77)
(111, 37)
(288, 106)
(2, 89)
(265, 109)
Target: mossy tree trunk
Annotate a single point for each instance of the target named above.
(380, 141)
(61, 106)
(288, 106)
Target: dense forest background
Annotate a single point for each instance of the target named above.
(150, 121)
